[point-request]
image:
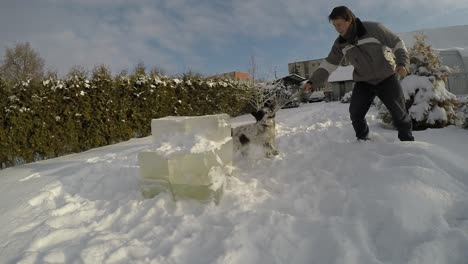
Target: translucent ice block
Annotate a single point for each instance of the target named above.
(184, 168)
(211, 127)
(195, 175)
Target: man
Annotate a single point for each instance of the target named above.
(363, 45)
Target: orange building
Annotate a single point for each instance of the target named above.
(235, 75)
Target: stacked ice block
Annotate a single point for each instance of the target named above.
(191, 158)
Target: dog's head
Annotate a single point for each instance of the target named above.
(265, 116)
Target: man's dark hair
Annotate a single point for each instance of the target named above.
(342, 12)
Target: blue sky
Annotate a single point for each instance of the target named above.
(203, 36)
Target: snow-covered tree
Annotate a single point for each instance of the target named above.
(425, 61)
(429, 103)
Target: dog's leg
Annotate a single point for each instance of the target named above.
(244, 141)
(274, 147)
(270, 151)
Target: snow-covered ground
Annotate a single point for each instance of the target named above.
(325, 199)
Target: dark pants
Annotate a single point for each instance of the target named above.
(390, 93)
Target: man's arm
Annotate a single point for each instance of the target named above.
(389, 39)
(327, 66)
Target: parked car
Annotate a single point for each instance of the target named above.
(317, 96)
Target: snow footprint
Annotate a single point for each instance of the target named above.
(30, 177)
(406, 160)
(107, 158)
(48, 194)
(56, 237)
(457, 216)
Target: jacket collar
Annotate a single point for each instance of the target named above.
(360, 31)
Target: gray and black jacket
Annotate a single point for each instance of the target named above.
(365, 49)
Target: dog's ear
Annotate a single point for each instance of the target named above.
(271, 106)
(258, 115)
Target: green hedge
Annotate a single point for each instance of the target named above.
(54, 117)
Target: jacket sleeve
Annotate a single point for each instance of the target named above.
(389, 39)
(327, 66)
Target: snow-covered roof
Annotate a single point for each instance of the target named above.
(293, 79)
(341, 74)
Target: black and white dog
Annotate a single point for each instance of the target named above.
(260, 134)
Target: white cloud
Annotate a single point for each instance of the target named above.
(169, 33)
(434, 5)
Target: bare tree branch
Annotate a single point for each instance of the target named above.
(22, 62)
(275, 94)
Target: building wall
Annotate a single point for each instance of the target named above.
(306, 69)
(457, 81)
(241, 76)
(235, 75)
(339, 89)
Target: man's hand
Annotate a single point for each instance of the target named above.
(401, 71)
(308, 88)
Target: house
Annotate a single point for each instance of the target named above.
(291, 85)
(341, 81)
(306, 69)
(291, 80)
(235, 75)
(457, 80)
